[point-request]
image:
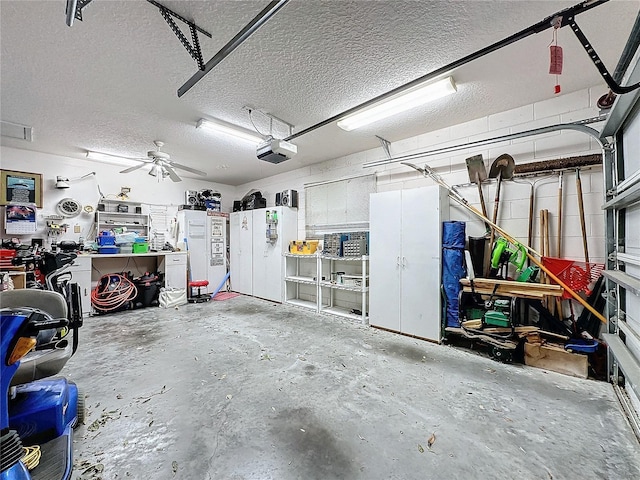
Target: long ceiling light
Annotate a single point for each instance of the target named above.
(401, 102)
(218, 126)
(113, 159)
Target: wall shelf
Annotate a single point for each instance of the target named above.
(108, 217)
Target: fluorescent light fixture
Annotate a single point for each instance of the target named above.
(400, 102)
(218, 126)
(113, 159)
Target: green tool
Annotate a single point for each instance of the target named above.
(504, 251)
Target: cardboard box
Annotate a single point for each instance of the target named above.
(556, 359)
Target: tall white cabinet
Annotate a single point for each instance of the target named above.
(256, 246)
(405, 264)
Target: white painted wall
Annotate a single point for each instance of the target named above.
(514, 206)
(515, 196)
(144, 188)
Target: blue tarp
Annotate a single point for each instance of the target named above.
(453, 240)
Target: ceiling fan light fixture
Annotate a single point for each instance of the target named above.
(218, 126)
(154, 170)
(113, 159)
(413, 97)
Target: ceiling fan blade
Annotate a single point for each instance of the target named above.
(172, 174)
(188, 169)
(135, 167)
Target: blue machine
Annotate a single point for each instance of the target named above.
(41, 412)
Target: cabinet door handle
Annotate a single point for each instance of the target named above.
(404, 262)
(398, 261)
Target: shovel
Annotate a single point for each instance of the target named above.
(478, 174)
(501, 168)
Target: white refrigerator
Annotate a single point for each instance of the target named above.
(204, 235)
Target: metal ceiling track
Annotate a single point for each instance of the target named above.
(193, 49)
(557, 20)
(74, 11)
(580, 126)
(269, 11)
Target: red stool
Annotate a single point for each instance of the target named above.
(199, 297)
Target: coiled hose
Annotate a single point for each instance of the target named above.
(112, 292)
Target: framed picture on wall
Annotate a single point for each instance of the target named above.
(20, 187)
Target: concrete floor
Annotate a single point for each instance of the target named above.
(247, 389)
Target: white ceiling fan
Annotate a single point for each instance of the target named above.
(161, 165)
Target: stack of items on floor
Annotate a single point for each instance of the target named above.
(116, 292)
(518, 301)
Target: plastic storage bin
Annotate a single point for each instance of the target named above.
(106, 238)
(140, 247)
(108, 249)
(126, 248)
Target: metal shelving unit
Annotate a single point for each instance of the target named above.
(309, 283)
(300, 282)
(330, 298)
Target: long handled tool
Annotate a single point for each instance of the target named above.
(531, 253)
(559, 240)
(502, 168)
(478, 174)
(582, 222)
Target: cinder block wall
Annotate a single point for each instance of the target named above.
(514, 204)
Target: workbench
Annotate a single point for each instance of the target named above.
(87, 269)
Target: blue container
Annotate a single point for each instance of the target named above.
(108, 249)
(106, 238)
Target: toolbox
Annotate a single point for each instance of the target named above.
(303, 247)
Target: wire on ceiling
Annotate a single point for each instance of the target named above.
(254, 125)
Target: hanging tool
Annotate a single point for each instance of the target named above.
(559, 239)
(582, 220)
(504, 253)
(478, 174)
(501, 168)
(531, 253)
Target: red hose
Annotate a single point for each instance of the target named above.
(109, 295)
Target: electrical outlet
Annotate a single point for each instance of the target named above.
(76, 229)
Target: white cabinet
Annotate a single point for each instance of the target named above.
(257, 245)
(241, 251)
(405, 265)
(175, 270)
(327, 284)
(80, 271)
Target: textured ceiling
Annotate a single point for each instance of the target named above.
(109, 83)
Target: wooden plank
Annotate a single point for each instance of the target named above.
(556, 360)
(504, 293)
(485, 286)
